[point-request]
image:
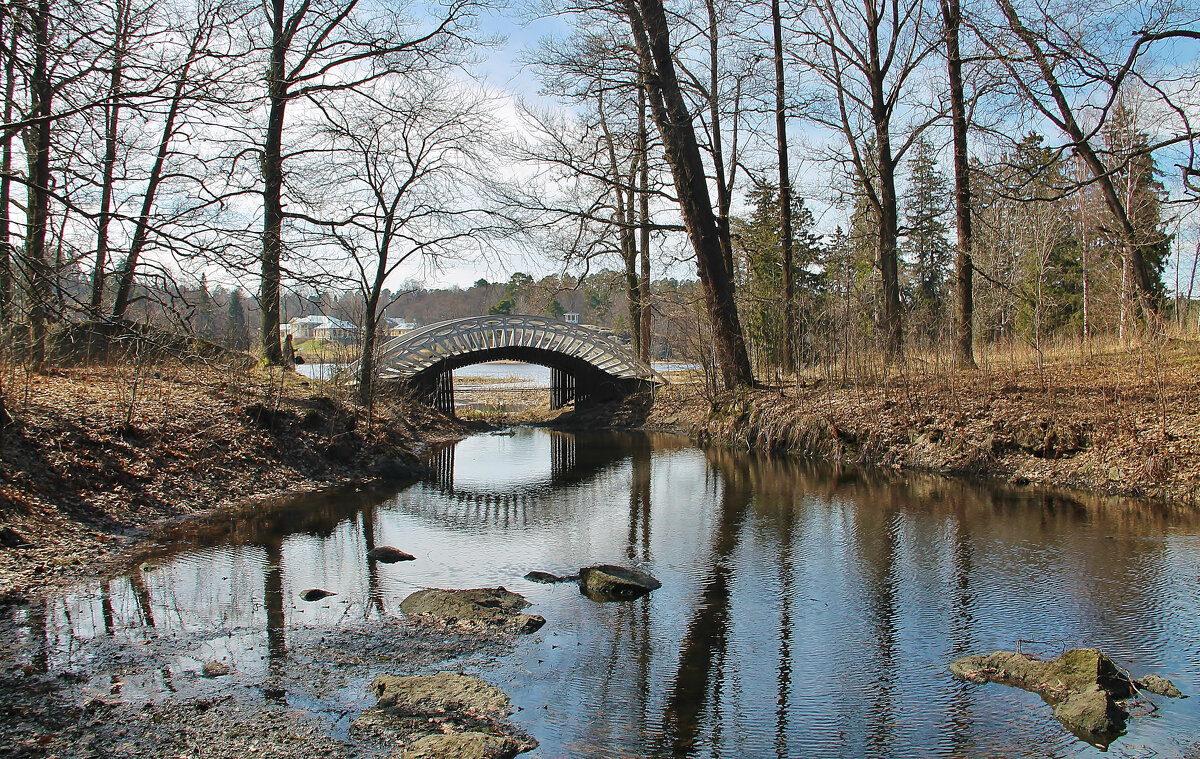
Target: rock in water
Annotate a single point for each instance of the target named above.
(389, 555)
(1083, 684)
(1160, 685)
(486, 607)
(315, 594)
(543, 577)
(1093, 714)
(469, 745)
(443, 715)
(607, 582)
(215, 669)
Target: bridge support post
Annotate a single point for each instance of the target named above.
(443, 393)
(562, 388)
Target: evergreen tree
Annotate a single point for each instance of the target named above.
(205, 324)
(1126, 152)
(759, 244)
(237, 332)
(927, 250)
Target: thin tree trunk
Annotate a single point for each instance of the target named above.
(964, 352)
(785, 195)
(6, 250)
(37, 139)
(112, 115)
(128, 269)
(651, 36)
(724, 201)
(272, 170)
(644, 295)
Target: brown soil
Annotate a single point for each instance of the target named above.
(1126, 422)
(95, 455)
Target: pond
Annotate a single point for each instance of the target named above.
(805, 611)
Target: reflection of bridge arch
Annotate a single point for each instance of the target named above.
(587, 366)
(572, 461)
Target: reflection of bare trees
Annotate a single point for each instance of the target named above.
(639, 502)
(699, 676)
(273, 597)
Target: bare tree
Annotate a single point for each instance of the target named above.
(651, 34)
(318, 46)
(1064, 64)
(865, 57)
(406, 157)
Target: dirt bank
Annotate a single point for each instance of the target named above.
(96, 455)
(1123, 422)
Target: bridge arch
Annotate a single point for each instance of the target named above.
(587, 366)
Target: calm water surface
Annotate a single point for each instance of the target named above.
(804, 612)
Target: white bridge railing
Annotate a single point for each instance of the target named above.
(408, 355)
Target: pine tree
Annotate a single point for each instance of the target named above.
(927, 250)
(237, 333)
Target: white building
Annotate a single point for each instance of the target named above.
(319, 327)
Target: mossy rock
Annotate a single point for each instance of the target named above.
(444, 692)
(470, 745)
(487, 607)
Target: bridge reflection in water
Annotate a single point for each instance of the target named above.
(804, 612)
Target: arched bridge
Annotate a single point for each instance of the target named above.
(586, 366)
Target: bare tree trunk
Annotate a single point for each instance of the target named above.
(6, 250)
(37, 147)
(888, 241)
(644, 295)
(964, 351)
(141, 234)
(272, 171)
(112, 115)
(724, 201)
(785, 195)
(652, 39)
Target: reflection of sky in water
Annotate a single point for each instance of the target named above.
(503, 462)
(799, 616)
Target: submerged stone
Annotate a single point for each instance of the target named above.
(546, 578)
(487, 607)
(607, 582)
(215, 669)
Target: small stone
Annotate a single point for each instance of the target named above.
(315, 594)
(1160, 685)
(607, 582)
(389, 555)
(216, 669)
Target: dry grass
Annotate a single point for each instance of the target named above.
(1103, 417)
